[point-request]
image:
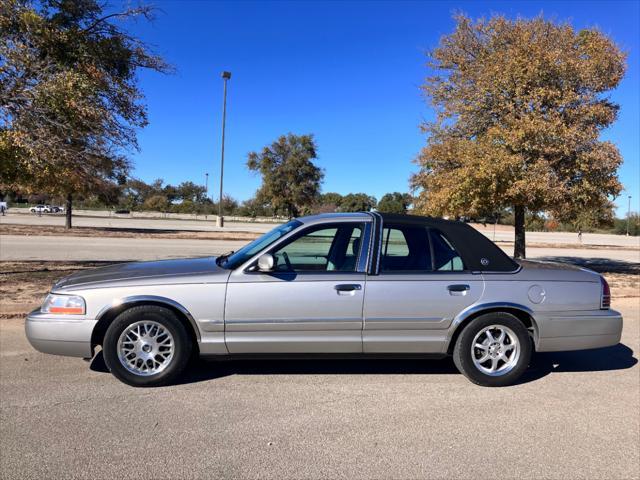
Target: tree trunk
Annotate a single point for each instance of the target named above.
(67, 212)
(519, 246)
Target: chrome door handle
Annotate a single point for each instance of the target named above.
(347, 287)
(458, 289)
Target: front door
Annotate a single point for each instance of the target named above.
(421, 286)
(312, 301)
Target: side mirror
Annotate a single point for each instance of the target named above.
(266, 262)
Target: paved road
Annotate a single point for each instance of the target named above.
(575, 416)
(503, 233)
(16, 247)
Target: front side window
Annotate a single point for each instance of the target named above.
(245, 253)
(324, 248)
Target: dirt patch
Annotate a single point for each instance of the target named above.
(623, 285)
(47, 231)
(24, 284)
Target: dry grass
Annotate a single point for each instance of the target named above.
(24, 284)
(624, 285)
(47, 231)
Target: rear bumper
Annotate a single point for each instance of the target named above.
(60, 335)
(579, 331)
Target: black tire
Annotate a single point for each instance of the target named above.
(165, 317)
(462, 353)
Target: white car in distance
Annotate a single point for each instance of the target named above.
(40, 209)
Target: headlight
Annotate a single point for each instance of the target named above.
(63, 304)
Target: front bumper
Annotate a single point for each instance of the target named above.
(579, 330)
(60, 335)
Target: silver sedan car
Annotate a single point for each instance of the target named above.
(363, 284)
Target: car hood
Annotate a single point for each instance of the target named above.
(189, 270)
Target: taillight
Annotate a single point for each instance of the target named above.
(605, 299)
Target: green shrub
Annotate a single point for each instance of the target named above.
(157, 203)
(620, 225)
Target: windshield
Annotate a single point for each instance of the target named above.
(249, 250)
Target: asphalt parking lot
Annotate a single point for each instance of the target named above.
(575, 415)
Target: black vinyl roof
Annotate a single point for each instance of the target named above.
(477, 251)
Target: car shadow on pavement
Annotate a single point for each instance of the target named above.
(618, 357)
(600, 265)
(208, 369)
(203, 369)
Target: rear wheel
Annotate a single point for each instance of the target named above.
(147, 346)
(494, 350)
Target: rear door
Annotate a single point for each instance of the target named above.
(421, 286)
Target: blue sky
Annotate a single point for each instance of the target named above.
(348, 72)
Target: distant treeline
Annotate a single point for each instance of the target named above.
(189, 198)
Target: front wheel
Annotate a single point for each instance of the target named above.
(146, 346)
(494, 350)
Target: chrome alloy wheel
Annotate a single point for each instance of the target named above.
(145, 348)
(495, 350)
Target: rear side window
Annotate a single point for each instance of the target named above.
(395, 244)
(413, 248)
(405, 248)
(445, 256)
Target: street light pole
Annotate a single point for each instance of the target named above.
(225, 76)
(206, 185)
(628, 214)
